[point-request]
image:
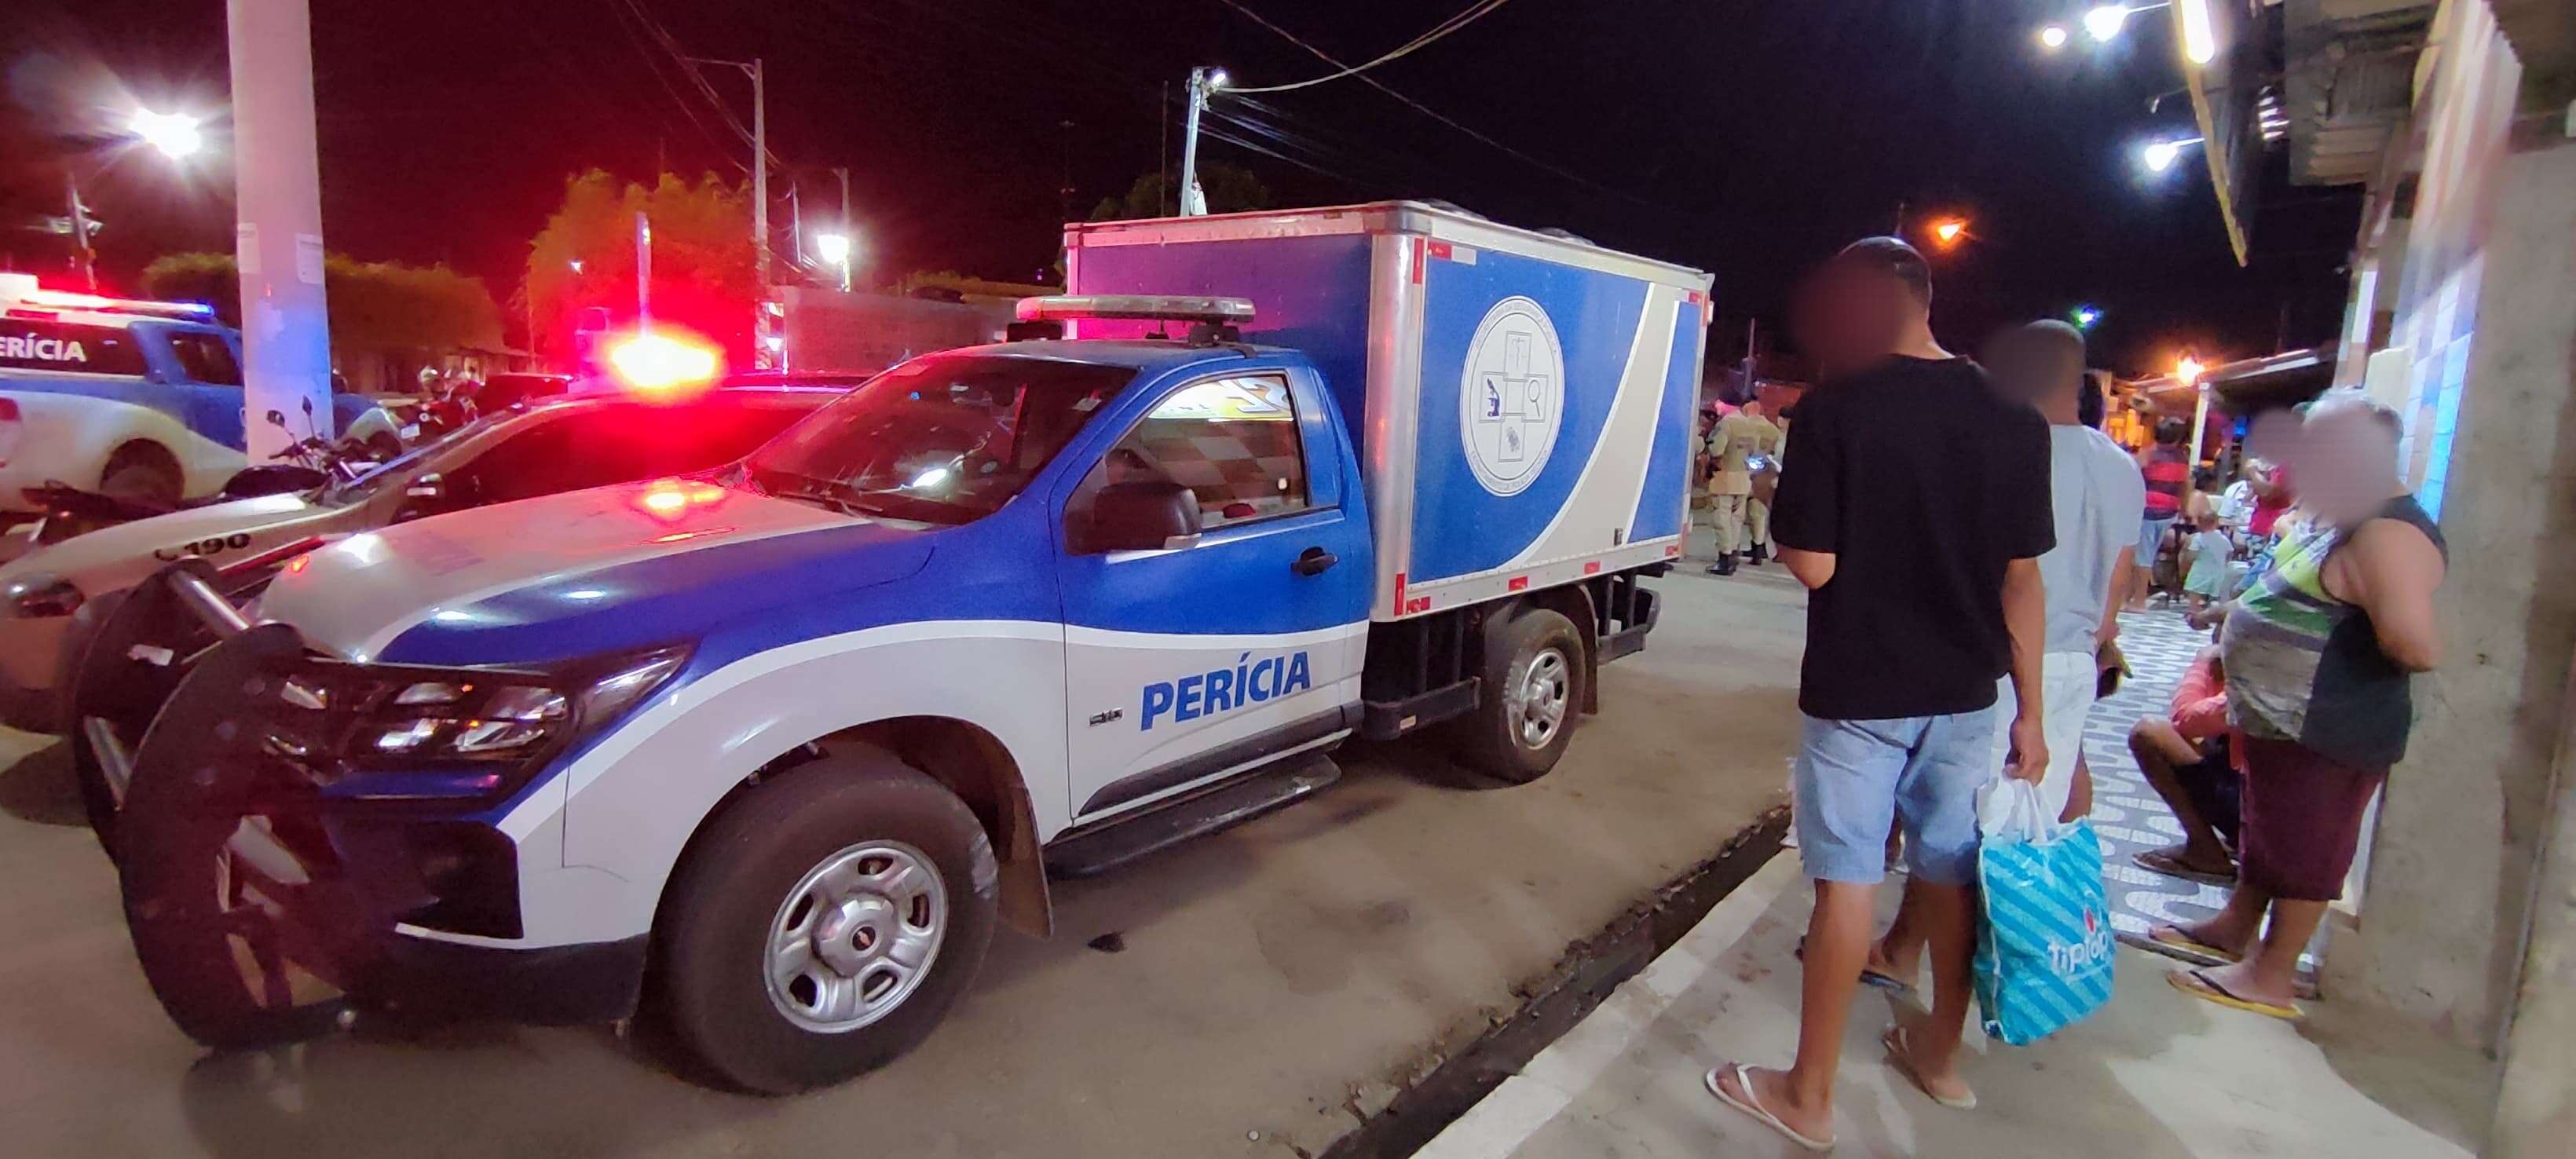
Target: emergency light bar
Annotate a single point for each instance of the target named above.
(21, 291)
(1151, 307)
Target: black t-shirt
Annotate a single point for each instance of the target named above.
(1923, 483)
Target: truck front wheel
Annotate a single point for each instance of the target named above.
(1532, 690)
(823, 924)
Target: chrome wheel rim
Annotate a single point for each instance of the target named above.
(856, 937)
(1537, 701)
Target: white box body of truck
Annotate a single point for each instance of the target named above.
(1524, 404)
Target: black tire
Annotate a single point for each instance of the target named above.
(141, 472)
(733, 888)
(1493, 740)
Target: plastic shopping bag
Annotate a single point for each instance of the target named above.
(2044, 949)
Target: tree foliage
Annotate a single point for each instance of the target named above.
(704, 269)
(375, 306)
(1230, 189)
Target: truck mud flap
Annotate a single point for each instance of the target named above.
(1627, 614)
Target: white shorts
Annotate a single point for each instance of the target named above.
(2066, 681)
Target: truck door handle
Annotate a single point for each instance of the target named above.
(1313, 561)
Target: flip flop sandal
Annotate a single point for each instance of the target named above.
(1900, 1054)
(1753, 1108)
(2197, 983)
(1868, 977)
(2157, 861)
(2181, 945)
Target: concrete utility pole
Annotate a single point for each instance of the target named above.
(643, 273)
(759, 200)
(849, 226)
(277, 183)
(80, 232)
(1202, 82)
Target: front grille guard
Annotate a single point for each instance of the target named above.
(246, 926)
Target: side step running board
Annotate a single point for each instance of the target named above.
(1096, 849)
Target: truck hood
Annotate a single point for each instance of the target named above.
(133, 546)
(570, 574)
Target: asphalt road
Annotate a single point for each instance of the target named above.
(1271, 983)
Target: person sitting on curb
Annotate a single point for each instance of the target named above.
(2184, 756)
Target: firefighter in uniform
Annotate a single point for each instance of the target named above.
(1738, 440)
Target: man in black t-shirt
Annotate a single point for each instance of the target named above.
(1914, 505)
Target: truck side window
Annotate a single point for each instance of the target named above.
(206, 359)
(1232, 441)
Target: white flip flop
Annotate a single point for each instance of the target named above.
(1749, 1106)
(1900, 1054)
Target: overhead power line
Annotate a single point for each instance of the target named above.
(1444, 28)
(689, 67)
(1436, 115)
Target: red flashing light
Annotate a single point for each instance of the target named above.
(669, 499)
(658, 364)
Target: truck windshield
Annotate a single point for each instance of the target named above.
(947, 438)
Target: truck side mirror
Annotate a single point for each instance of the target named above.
(1144, 516)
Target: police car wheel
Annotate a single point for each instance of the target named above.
(822, 924)
(1532, 691)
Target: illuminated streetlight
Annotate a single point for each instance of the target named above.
(1949, 231)
(2188, 370)
(575, 264)
(176, 135)
(2052, 36)
(2087, 316)
(2103, 23)
(835, 249)
(2159, 156)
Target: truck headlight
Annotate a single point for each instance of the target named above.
(427, 732)
(39, 596)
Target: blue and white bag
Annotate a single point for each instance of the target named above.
(2044, 949)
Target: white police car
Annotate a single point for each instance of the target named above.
(781, 745)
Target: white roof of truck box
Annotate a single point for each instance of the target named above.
(1424, 219)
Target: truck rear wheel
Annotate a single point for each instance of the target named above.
(142, 472)
(823, 924)
(1532, 691)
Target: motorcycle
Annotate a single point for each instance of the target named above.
(309, 463)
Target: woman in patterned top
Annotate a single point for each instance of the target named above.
(2318, 656)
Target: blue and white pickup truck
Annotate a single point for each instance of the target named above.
(137, 399)
(792, 738)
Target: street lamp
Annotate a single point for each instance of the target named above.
(2103, 23)
(2187, 370)
(2159, 156)
(1948, 231)
(2052, 36)
(2086, 317)
(835, 249)
(176, 135)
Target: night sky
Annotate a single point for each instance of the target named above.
(1747, 137)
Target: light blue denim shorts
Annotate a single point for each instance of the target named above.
(1857, 778)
